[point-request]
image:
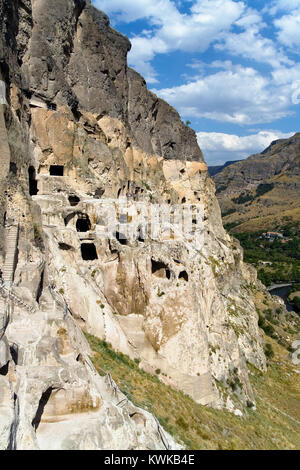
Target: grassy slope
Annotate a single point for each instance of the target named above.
(261, 191)
(274, 425)
(250, 222)
(267, 211)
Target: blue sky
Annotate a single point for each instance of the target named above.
(230, 67)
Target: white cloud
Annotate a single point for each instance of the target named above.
(250, 18)
(250, 44)
(143, 51)
(129, 10)
(219, 148)
(287, 80)
(288, 24)
(288, 4)
(172, 30)
(240, 95)
(289, 29)
(282, 5)
(286, 75)
(208, 22)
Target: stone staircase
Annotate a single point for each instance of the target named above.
(8, 269)
(6, 295)
(11, 254)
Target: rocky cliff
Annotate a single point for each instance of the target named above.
(262, 192)
(214, 170)
(80, 134)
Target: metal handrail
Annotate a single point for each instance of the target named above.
(14, 297)
(6, 322)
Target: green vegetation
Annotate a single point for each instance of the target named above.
(294, 298)
(269, 352)
(257, 249)
(296, 303)
(221, 188)
(275, 424)
(264, 188)
(243, 198)
(284, 258)
(228, 212)
(269, 330)
(231, 225)
(215, 264)
(146, 185)
(246, 197)
(38, 237)
(267, 319)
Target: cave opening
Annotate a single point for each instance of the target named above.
(99, 193)
(73, 200)
(184, 275)
(42, 403)
(4, 369)
(140, 235)
(83, 223)
(41, 287)
(5, 77)
(88, 252)
(13, 168)
(69, 217)
(160, 269)
(33, 189)
(121, 238)
(56, 170)
(65, 246)
(14, 352)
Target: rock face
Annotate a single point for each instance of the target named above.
(83, 135)
(277, 172)
(281, 156)
(214, 170)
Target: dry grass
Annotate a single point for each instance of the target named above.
(269, 212)
(274, 425)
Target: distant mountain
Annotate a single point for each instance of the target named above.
(213, 170)
(263, 191)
